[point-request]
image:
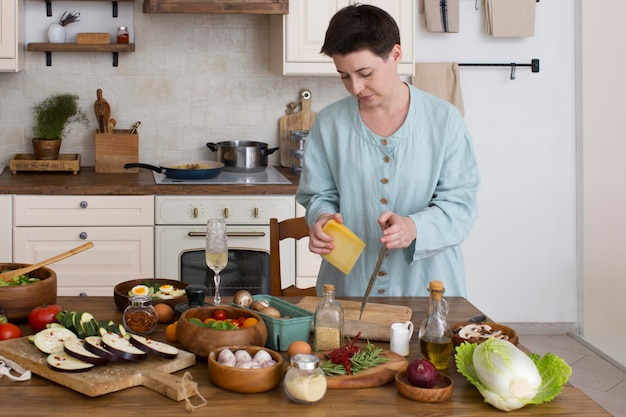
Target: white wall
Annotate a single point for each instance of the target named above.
(199, 77)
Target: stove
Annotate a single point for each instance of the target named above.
(269, 176)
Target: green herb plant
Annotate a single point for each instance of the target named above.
(55, 114)
(363, 359)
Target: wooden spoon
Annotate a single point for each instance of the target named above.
(9, 275)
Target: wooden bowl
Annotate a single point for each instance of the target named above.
(19, 300)
(202, 340)
(436, 394)
(121, 298)
(510, 334)
(247, 381)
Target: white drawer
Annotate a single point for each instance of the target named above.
(31, 210)
(235, 210)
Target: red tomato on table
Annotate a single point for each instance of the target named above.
(42, 315)
(9, 331)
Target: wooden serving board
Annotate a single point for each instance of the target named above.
(373, 377)
(153, 372)
(375, 323)
(302, 120)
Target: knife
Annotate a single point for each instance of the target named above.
(379, 262)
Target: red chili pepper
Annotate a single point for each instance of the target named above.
(344, 353)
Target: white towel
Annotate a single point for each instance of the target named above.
(441, 15)
(441, 80)
(510, 18)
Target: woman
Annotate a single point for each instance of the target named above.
(392, 163)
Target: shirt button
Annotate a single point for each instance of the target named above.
(384, 142)
(386, 159)
(385, 180)
(381, 273)
(384, 201)
(381, 291)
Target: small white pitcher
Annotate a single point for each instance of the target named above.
(400, 337)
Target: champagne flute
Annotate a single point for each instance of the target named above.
(216, 252)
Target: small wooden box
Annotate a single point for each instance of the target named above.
(113, 150)
(93, 38)
(27, 162)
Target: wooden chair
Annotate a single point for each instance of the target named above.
(290, 228)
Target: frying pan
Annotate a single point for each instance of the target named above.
(184, 170)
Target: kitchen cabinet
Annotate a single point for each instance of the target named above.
(12, 35)
(6, 233)
(120, 227)
(217, 6)
(307, 263)
(296, 38)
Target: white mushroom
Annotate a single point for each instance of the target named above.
(470, 331)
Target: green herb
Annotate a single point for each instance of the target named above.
(360, 361)
(23, 279)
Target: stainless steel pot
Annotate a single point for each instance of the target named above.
(242, 155)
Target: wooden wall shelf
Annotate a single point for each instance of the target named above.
(48, 48)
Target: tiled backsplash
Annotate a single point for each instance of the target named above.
(192, 79)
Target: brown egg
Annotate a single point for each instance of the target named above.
(166, 313)
(298, 346)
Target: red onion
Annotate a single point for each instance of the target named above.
(421, 373)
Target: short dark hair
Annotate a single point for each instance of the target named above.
(358, 27)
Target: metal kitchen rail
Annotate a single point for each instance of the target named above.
(534, 66)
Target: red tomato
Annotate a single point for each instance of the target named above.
(241, 320)
(42, 315)
(219, 315)
(235, 322)
(9, 331)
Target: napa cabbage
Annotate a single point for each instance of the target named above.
(508, 378)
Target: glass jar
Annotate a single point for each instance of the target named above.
(435, 334)
(140, 317)
(328, 322)
(305, 382)
(122, 34)
(297, 138)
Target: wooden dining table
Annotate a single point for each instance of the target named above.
(43, 398)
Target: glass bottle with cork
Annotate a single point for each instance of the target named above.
(328, 322)
(435, 334)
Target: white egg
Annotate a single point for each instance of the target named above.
(166, 289)
(140, 290)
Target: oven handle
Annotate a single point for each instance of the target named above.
(230, 234)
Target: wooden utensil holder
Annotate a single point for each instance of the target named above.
(113, 150)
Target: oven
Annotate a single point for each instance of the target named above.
(180, 230)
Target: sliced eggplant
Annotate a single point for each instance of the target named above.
(51, 340)
(93, 344)
(76, 349)
(62, 361)
(120, 346)
(154, 347)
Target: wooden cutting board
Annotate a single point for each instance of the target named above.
(153, 372)
(373, 377)
(302, 120)
(375, 323)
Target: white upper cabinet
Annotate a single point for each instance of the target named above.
(11, 35)
(296, 38)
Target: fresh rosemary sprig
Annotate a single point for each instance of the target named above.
(360, 361)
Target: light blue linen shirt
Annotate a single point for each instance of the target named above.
(425, 170)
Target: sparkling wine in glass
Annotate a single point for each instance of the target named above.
(216, 252)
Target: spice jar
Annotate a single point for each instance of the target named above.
(122, 34)
(140, 317)
(328, 322)
(305, 382)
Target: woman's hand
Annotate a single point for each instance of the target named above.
(320, 242)
(398, 231)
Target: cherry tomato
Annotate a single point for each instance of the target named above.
(234, 322)
(241, 320)
(9, 331)
(219, 315)
(42, 315)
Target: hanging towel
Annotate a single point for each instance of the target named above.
(441, 80)
(441, 15)
(510, 18)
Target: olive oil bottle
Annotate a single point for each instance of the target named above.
(435, 334)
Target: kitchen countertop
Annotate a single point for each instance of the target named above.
(88, 182)
(40, 397)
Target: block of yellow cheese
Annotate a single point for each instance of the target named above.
(348, 246)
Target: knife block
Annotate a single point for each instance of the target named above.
(113, 150)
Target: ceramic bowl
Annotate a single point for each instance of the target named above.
(121, 298)
(19, 300)
(462, 333)
(247, 381)
(440, 392)
(202, 340)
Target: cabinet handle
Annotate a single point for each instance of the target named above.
(230, 234)
(83, 204)
(256, 212)
(195, 212)
(225, 212)
(83, 235)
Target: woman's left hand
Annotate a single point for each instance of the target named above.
(398, 231)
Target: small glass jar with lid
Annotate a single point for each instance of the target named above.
(140, 317)
(122, 35)
(305, 382)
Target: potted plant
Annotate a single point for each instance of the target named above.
(53, 115)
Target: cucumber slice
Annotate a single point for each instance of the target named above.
(154, 347)
(85, 321)
(61, 361)
(51, 340)
(76, 349)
